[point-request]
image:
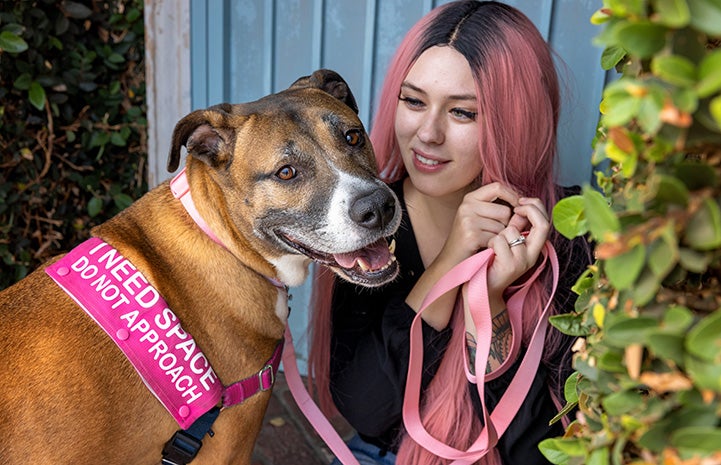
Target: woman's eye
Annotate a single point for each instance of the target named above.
(464, 114)
(353, 137)
(286, 173)
(411, 102)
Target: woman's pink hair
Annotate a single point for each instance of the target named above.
(518, 98)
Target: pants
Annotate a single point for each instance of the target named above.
(368, 454)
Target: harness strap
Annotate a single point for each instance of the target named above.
(262, 381)
(185, 444)
(182, 448)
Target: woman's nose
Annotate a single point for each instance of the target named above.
(431, 129)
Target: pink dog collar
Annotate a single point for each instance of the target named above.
(181, 190)
(137, 318)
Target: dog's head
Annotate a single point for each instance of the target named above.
(294, 176)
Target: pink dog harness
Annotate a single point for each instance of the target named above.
(136, 317)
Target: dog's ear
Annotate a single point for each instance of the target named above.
(330, 82)
(206, 135)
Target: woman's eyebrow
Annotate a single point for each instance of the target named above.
(410, 86)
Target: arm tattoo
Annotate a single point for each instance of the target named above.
(500, 343)
(471, 346)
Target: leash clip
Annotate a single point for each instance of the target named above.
(270, 374)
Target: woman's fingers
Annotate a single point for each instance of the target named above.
(516, 251)
(540, 226)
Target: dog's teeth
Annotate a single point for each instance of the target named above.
(392, 246)
(363, 265)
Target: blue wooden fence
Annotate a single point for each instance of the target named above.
(244, 49)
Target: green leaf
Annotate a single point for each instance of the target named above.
(12, 43)
(704, 339)
(117, 139)
(584, 282)
(572, 324)
(571, 395)
(624, 330)
(602, 221)
(76, 10)
(99, 139)
(706, 16)
(666, 345)
(715, 108)
(685, 99)
(558, 451)
(612, 362)
(656, 437)
(642, 39)
(599, 17)
(697, 439)
(696, 175)
(709, 74)
(647, 285)
(122, 201)
(569, 388)
(23, 82)
(663, 254)
(668, 190)
(568, 217)
(649, 111)
(703, 231)
(599, 456)
(678, 319)
(95, 206)
(116, 58)
(36, 95)
(619, 105)
(133, 14)
(627, 7)
(611, 56)
(705, 375)
(672, 13)
(693, 260)
(674, 69)
(624, 269)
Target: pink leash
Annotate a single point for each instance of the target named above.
(309, 408)
(474, 272)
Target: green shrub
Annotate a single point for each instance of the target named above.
(648, 381)
(72, 123)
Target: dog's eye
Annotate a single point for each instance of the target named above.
(353, 137)
(286, 173)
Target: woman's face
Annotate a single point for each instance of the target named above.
(436, 123)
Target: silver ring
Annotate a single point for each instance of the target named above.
(518, 241)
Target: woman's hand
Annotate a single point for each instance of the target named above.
(513, 259)
(484, 214)
(479, 219)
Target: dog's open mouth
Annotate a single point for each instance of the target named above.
(370, 266)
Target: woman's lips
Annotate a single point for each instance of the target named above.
(426, 163)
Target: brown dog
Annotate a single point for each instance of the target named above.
(280, 181)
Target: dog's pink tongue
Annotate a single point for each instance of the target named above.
(375, 256)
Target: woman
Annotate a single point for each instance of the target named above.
(466, 135)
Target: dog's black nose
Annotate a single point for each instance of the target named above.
(373, 210)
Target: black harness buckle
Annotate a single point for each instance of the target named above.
(181, 449)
